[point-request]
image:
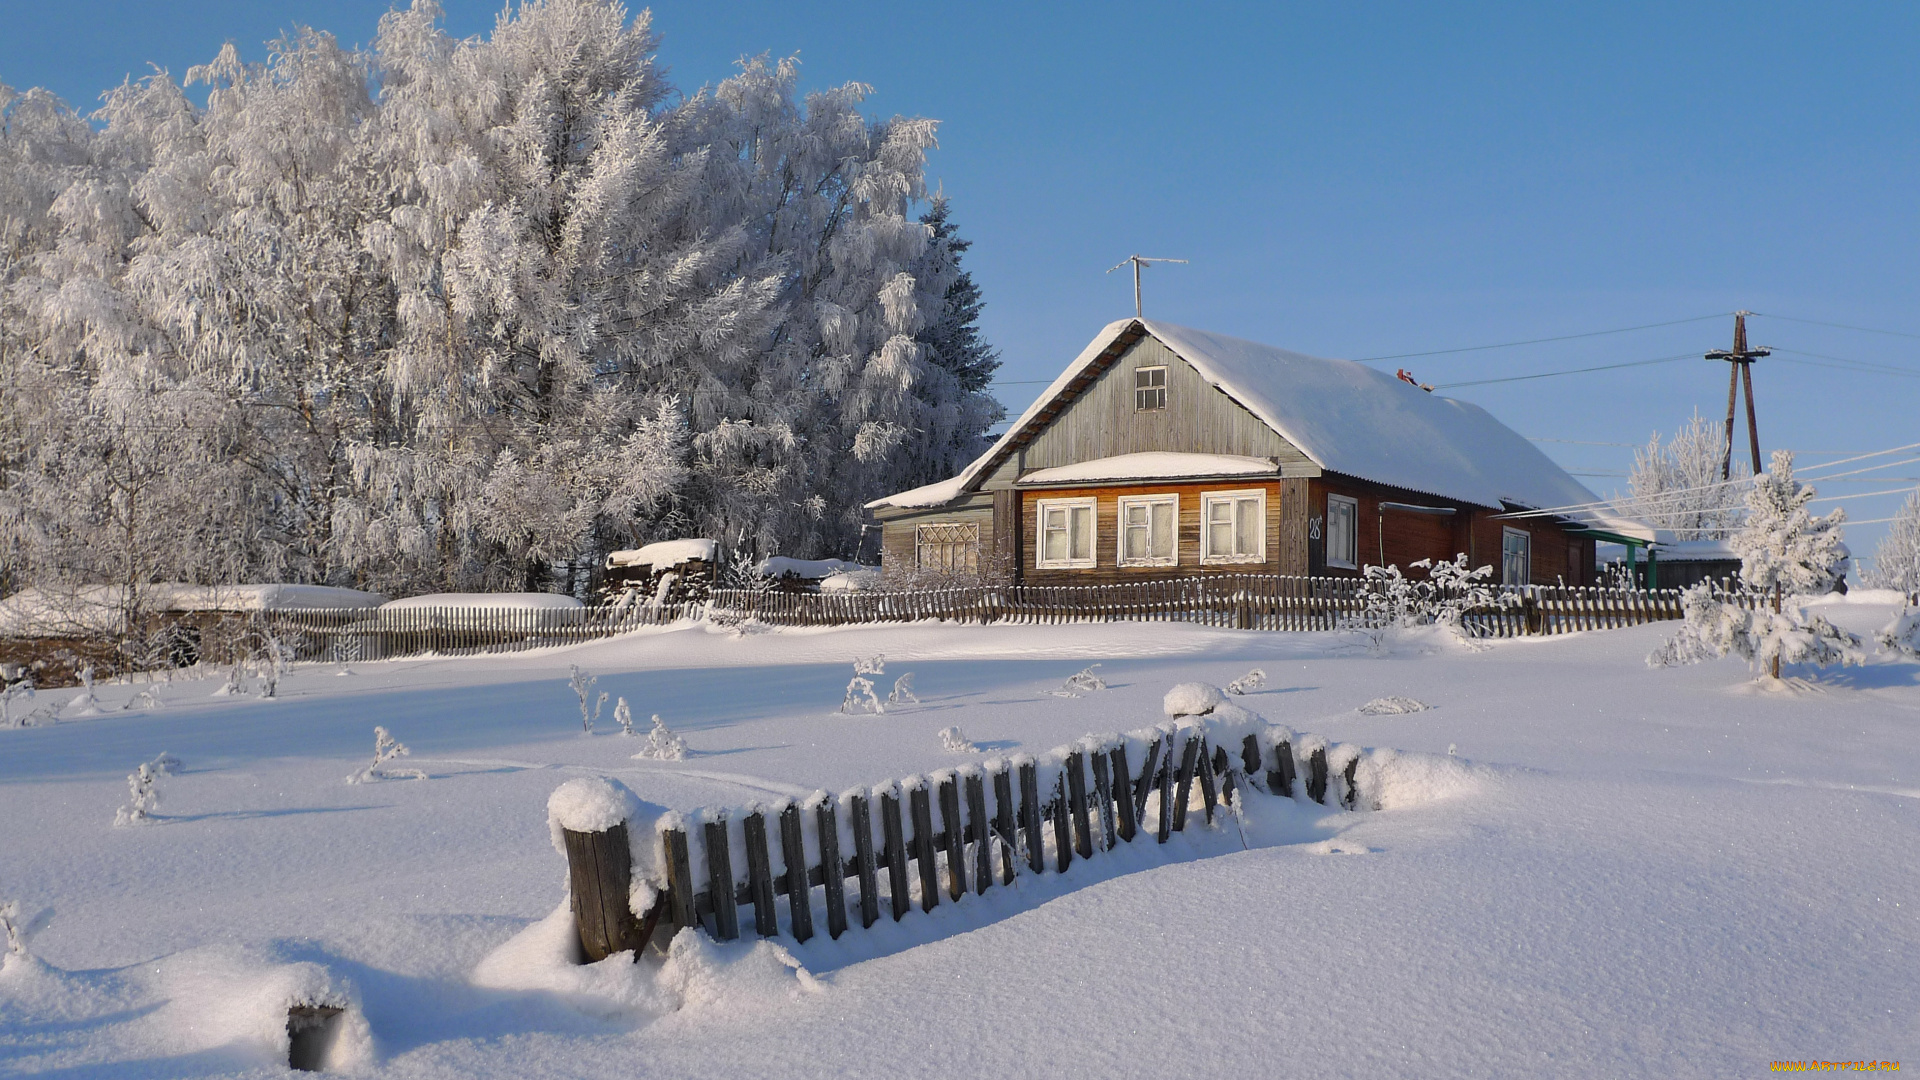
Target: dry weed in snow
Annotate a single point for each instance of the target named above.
(385, 749)
(1393, 705)
(143, 789)
(1248, 683)
(582, 684)
(623, 716)
(1082, 681)
(903, 691)
(663, 744)
(860, 696)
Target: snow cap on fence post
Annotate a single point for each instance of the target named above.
(1192, 699)
(602, 829)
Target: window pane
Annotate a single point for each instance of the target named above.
(1162, 530)
(1082, 532)
(1055, 529)
(1135, 539)
(1246, 540)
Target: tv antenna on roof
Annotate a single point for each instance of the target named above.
(1139, 261)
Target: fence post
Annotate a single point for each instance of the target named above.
(600, 872)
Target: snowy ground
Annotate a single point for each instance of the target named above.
(1660, 872)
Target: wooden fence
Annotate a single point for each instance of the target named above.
(955, 832)
(1243, 601)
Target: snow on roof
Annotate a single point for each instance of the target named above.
(667, 553)
(516, 601)
(1154, 465)
(99, 609)
(806, 569)
(1694, 550)
(1348, 418)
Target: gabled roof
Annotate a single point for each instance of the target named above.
(1348, 418)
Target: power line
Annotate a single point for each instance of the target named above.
(1541, 341)
(1841, 326)
(1570, 371)
(1584, 442)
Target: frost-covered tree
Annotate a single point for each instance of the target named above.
(455, 314)
(1676, 486)
(1784, 550)
(1896, 562)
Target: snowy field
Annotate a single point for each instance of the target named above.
(1646, 872)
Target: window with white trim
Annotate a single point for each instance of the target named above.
(1233, 526)
(1343, 532)
(1149, 389)
(1149, 528)
(1516, 557)
(948, 547)
(1066, 533)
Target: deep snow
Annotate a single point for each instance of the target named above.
(1656, 872)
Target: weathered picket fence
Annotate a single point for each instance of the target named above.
(958, 831)
(1244, 601)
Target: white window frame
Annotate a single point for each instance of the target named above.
(1040, 508)
(1139, 389)
(1346, 560)
(1526, 556)
(1172, 558)
(1207, 502)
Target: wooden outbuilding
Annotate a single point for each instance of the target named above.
(1164, 451)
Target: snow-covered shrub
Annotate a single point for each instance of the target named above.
(953, 741)
(860, 696)
(166, 764)
(1248, 683)
(1391, 601)
(663, 744)
(903, 691)
(385, 749)
(1784, 552)
(1716, 627)
(623, 716)
(12, 714)
(1896, 562)
(143, 789)
(145, 699)
(86, 703)
(235, 684)
(1902, 635)
(582, 684)
(270, 662)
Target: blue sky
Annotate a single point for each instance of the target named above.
(1355, 181)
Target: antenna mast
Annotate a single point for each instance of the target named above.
(1740, 372)
(1138, 261)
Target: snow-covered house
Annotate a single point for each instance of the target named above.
(1167, 451)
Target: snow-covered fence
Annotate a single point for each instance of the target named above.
(967, 830)
(345, 635)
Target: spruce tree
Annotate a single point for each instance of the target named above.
(953, 340)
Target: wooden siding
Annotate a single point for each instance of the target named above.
(899, 536)
(1400, 538)
(1199, 419)
(1107, 568)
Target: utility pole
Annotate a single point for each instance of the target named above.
(1138, 261)
(1740, 372)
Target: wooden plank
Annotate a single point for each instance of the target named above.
(793, 853)
(600, 871)
(1003, 814)
(1076, 784)
(980, 831)
(1280, 777)
(680, 886)
(1189, 760)
(1317, 775)
(726, 918)
(1166, 775)
(923, 846)
(1250, 756)
(1145, 783)
(865, 866)
(1126, 818)
(1030, 817)
(1062, 833)
(1103, 799)
(833, 874)
(1209, 793)
(896, 852)
(760, 876)
(956, 834)
(1352, 796)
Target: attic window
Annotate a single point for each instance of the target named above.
(1149, 389)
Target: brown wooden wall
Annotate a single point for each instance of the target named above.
(1409, 537)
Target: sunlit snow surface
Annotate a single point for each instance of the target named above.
(1655, 872)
